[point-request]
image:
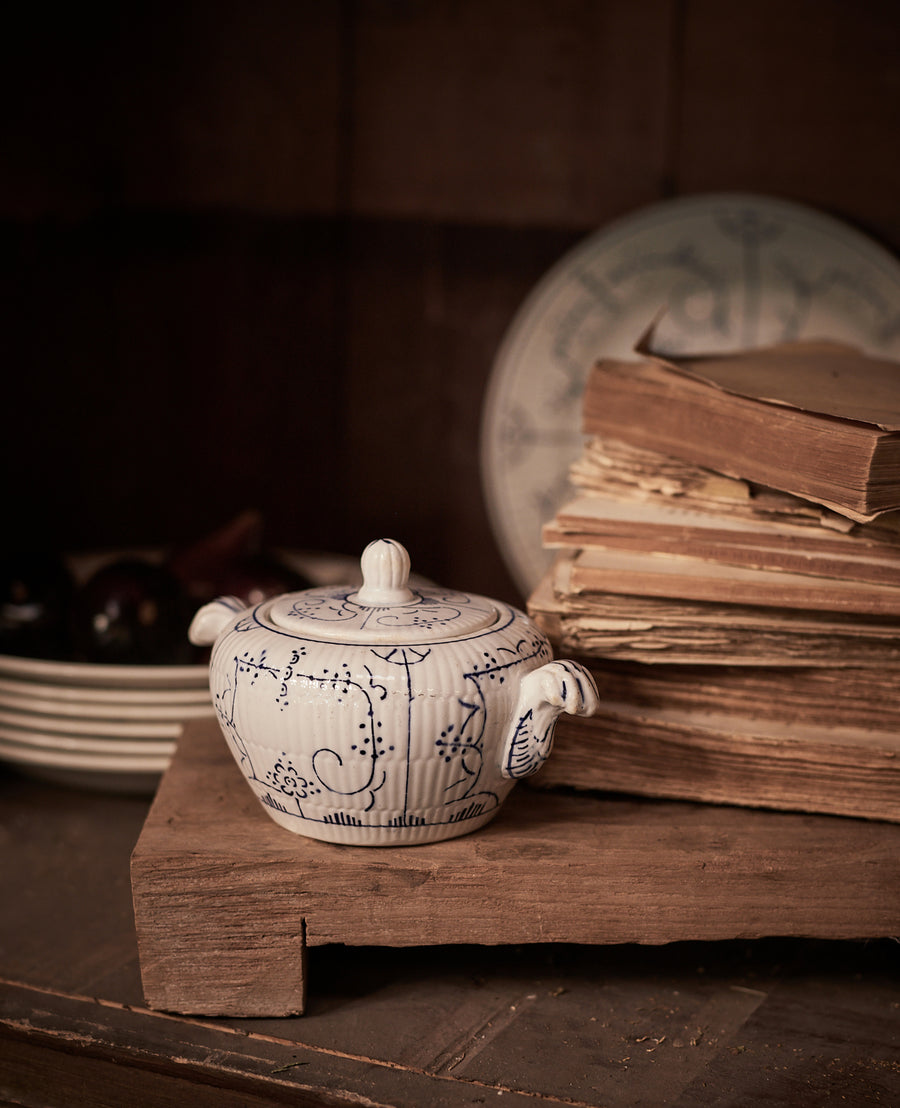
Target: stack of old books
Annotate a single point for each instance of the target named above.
(729, 568)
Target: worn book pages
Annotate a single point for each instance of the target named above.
(609, 467)
(689, 578)
(831, 457)
(728, 759)
(606, 523)
(836, 696)
(728, 569)
(657, 630)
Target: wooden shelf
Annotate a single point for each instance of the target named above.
(227, 903)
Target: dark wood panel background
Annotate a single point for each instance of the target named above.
(264, 254)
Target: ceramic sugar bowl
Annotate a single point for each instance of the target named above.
(384, 714)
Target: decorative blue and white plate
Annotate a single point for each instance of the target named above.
(730, 270)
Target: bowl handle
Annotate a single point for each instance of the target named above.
(544, 693)
(212, 619)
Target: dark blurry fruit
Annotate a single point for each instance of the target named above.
(257, 577)
(131, 612)
(233, 561)
(201, 565)
(34, 605)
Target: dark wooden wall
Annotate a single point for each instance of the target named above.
(264, 253)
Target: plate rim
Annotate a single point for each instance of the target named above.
(103, 676)
(62, 758)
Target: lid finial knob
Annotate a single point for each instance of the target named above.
(385, 572)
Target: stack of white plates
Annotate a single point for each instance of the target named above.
(114, 727)
(111, 727)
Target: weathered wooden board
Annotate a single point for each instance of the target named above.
(226, 902)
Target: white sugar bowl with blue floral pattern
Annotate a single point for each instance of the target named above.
(385, 714)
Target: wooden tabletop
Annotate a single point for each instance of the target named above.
(772, 1021)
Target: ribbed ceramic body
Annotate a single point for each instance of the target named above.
(373, 744)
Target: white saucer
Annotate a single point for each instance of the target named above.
(90, 696)
(99, 728)
(90, 675)
(733, 270)
(97, 761)
(147, 710)
(64, 747)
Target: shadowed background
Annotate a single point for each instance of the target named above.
(264, 254)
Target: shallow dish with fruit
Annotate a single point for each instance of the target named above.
(97, 675)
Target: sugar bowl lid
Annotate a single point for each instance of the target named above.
(384, 609)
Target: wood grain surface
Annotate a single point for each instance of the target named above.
(764, 1021)
(225, 900)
